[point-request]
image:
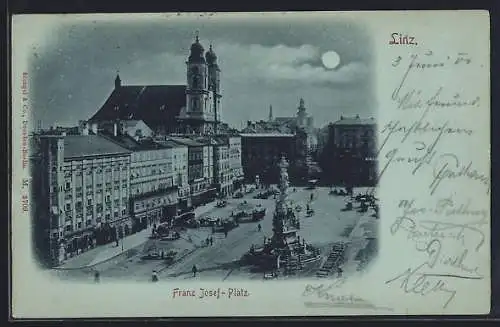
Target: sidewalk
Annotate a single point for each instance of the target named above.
(105, 252)
(365, 228)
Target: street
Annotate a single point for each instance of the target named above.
(220, 260)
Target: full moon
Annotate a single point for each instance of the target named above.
(330, 59)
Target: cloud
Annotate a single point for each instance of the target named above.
(283, 63)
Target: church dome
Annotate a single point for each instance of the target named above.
(197, 50)
(211, 56)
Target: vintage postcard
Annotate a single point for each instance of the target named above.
(250, 164)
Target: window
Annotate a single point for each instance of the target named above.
(108, 216)
(68, 207)
(116, 214)
(123, 212)
(89, 222)
(108, 198)
(69, 228)
(89, 202)
(68, 185)
(79, 225)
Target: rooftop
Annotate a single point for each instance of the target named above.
(90, 145)
(355, 121)
(128, 142)
(154, 104)
(170, 143)
(267, 135)
(185, 141)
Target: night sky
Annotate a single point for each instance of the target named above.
(264, 61)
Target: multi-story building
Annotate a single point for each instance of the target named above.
(153, 189)
(81, 190)
(235, 164)
(262, 152)
(180, 169)
(222, 168)
(350, 151)
(302, 166)
(200, 171)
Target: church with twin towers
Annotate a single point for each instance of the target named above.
(193, 108)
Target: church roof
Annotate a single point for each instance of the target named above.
(154, 104)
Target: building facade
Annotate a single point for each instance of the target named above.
(222, 169)
(82, 193)
(200, 171)
(153, 191)
(180, 170)
(235, 163)
(351, 152)
(262, 152)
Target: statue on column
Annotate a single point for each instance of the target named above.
(280, 214)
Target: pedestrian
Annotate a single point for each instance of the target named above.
(211, 241)
(96, 277)
(162, 255)
(339, 272)
(195, 270)
(225, 233)
(207, 241)
(259, 227)
(312, 196)
(154, 277)
(117, 242)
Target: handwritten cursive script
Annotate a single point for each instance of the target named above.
(448, 167)
(331, 295)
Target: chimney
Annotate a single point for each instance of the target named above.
(115, 129)
(341, 117)
(249, 123)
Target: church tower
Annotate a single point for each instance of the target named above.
(118, 81)
(301, 114)
(214, 86)
(199, 112)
